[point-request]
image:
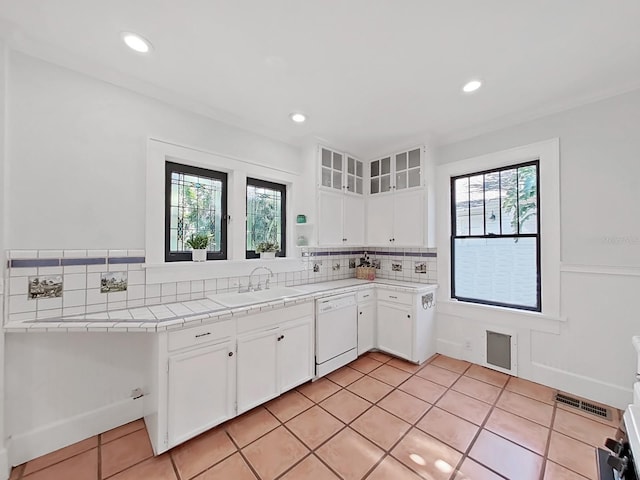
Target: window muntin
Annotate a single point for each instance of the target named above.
(196, 202)
(266, 215)
(495, 243)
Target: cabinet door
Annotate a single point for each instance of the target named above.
(380, 176)
(366, 327)
(330, 218)
(331, 169)
(380, 220)
(408, 218)
(407, 169)
(395, 329)
(295, 353)
(354, 176)
(257, 368)
(353, 220)
(201, 390)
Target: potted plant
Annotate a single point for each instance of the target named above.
(267, 249)
(198, 242)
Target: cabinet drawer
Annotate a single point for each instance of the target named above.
(275, 317)
(396, 297)
(189, 337)
(365, 296)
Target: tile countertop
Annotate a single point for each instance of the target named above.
(170, 316)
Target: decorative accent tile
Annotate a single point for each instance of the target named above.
(113, 282)
(48, 286)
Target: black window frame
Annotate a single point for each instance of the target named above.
(171, 167)
(537, 235)
(256, 182)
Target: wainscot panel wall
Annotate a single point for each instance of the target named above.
(590, 353)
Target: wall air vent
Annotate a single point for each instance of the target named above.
(588, 407)
(499, 352)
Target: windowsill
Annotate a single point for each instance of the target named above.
(510, 317)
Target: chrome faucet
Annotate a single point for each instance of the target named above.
(250, 287)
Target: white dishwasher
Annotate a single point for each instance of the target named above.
(336, 332)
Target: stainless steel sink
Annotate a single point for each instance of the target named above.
(259, 296)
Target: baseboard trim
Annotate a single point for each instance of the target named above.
(582, 386)
(449, 348)
(40, 441)
(5, 469)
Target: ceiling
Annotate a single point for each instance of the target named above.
(370, 74)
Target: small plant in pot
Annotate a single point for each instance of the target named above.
(198, 242)
(267, 249)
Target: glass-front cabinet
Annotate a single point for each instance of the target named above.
(340, 171)
(400, 171)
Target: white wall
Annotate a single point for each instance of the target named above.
(77, 153)
(592, 354)
(62, 388)
(75, 179)
(3, 181)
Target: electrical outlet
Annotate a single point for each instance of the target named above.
(234, 282)
(467, 344)
(136, 393)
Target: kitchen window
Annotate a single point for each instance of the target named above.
(495, 239)
(266, 216)
(196, 203)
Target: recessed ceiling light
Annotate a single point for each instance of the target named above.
(136, 42)
(298, 117)
(472, 86)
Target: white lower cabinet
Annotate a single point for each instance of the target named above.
(406, 323)
(201, 390)
(274, 358)
(295, 354)
(395, 329)
(202, 376)
(257, 368)
(366, 321)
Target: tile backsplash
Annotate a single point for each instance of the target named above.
(42, 284)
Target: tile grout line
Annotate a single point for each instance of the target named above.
(545, 457)
(465, 454)
(239, 451)
(411, 425)
(174, 466)
(99, 452)
(343, 428)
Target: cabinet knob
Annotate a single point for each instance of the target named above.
(280, 337)
(408, 316)
(360, 313)
(231, 354)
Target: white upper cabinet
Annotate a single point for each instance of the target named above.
(400, 171)
(396, 220)
(341, 211)
(398, 207)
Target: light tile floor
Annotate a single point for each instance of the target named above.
(379, 418)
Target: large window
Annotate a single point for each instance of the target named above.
(495, 241)
(196, 203)
(266, 207)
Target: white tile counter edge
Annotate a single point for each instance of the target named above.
(120, 321)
